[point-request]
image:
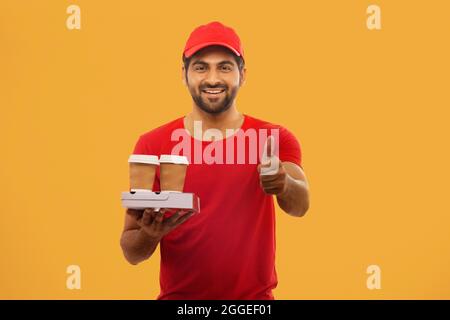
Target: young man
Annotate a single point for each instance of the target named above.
(227, 251)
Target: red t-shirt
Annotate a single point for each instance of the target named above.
(227, 251)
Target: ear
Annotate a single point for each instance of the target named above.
(183, 75)
(243, 76)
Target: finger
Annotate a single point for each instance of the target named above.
(263, 165)
(268, 185)
(269, 178)
(280, 164)
(159, 216)
(267, 163)
(157, 211)
(273, 178)
(278, 185)
(184, 218)
(185, 212)
(268, 147)
(272, 188)
(271, 168)
(134, 212)
(173, 218)
(147, 217)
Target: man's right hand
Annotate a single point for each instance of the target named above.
(155, 225)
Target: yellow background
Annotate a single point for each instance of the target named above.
(370, 109)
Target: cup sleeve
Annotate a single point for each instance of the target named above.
(143, 146)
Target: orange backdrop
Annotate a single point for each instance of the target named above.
(370, 108)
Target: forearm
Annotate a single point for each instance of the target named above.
(295, 199)
(137, 245)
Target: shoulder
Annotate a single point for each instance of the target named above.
(164, 130)
(288, 145)
(150, 142)
(256, 123)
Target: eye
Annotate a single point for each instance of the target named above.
(199, 68)
(226, 68)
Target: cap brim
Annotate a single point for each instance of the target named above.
(188, 53)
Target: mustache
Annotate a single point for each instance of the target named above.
(219, 86)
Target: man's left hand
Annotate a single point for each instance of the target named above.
(277, 181)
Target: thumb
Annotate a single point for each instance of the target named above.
(268, 148)
(264, 164)
(269, 144)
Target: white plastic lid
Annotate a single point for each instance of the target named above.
(169, 158)
(143, 158)
(140, 190)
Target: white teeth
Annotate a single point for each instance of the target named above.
(214, 92)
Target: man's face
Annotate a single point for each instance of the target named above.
(213, 79)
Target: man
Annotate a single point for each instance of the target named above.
(227, 251)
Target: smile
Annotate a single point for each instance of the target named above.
(215, 91)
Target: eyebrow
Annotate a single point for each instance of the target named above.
(221, 63)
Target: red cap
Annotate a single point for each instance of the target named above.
(213, 33)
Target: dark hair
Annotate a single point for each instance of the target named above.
(240, 62)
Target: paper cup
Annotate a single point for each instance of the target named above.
(142, 171)
(172, 172)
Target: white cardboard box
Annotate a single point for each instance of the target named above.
(174, 200)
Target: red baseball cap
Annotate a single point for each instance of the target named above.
(213, 33)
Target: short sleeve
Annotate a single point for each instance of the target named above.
(289, 148)
(141, 147)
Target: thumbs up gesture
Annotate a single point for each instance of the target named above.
(272, 176)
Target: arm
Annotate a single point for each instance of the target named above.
(285, 179)
(136, 244)
(290, 186)
(144, 230)
(294, 200)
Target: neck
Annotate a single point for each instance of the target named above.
(229, 119)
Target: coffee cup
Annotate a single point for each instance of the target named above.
(172, 172)
(142, 172)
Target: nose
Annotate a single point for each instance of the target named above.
(212, 78)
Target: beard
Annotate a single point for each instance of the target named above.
(214, 105)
